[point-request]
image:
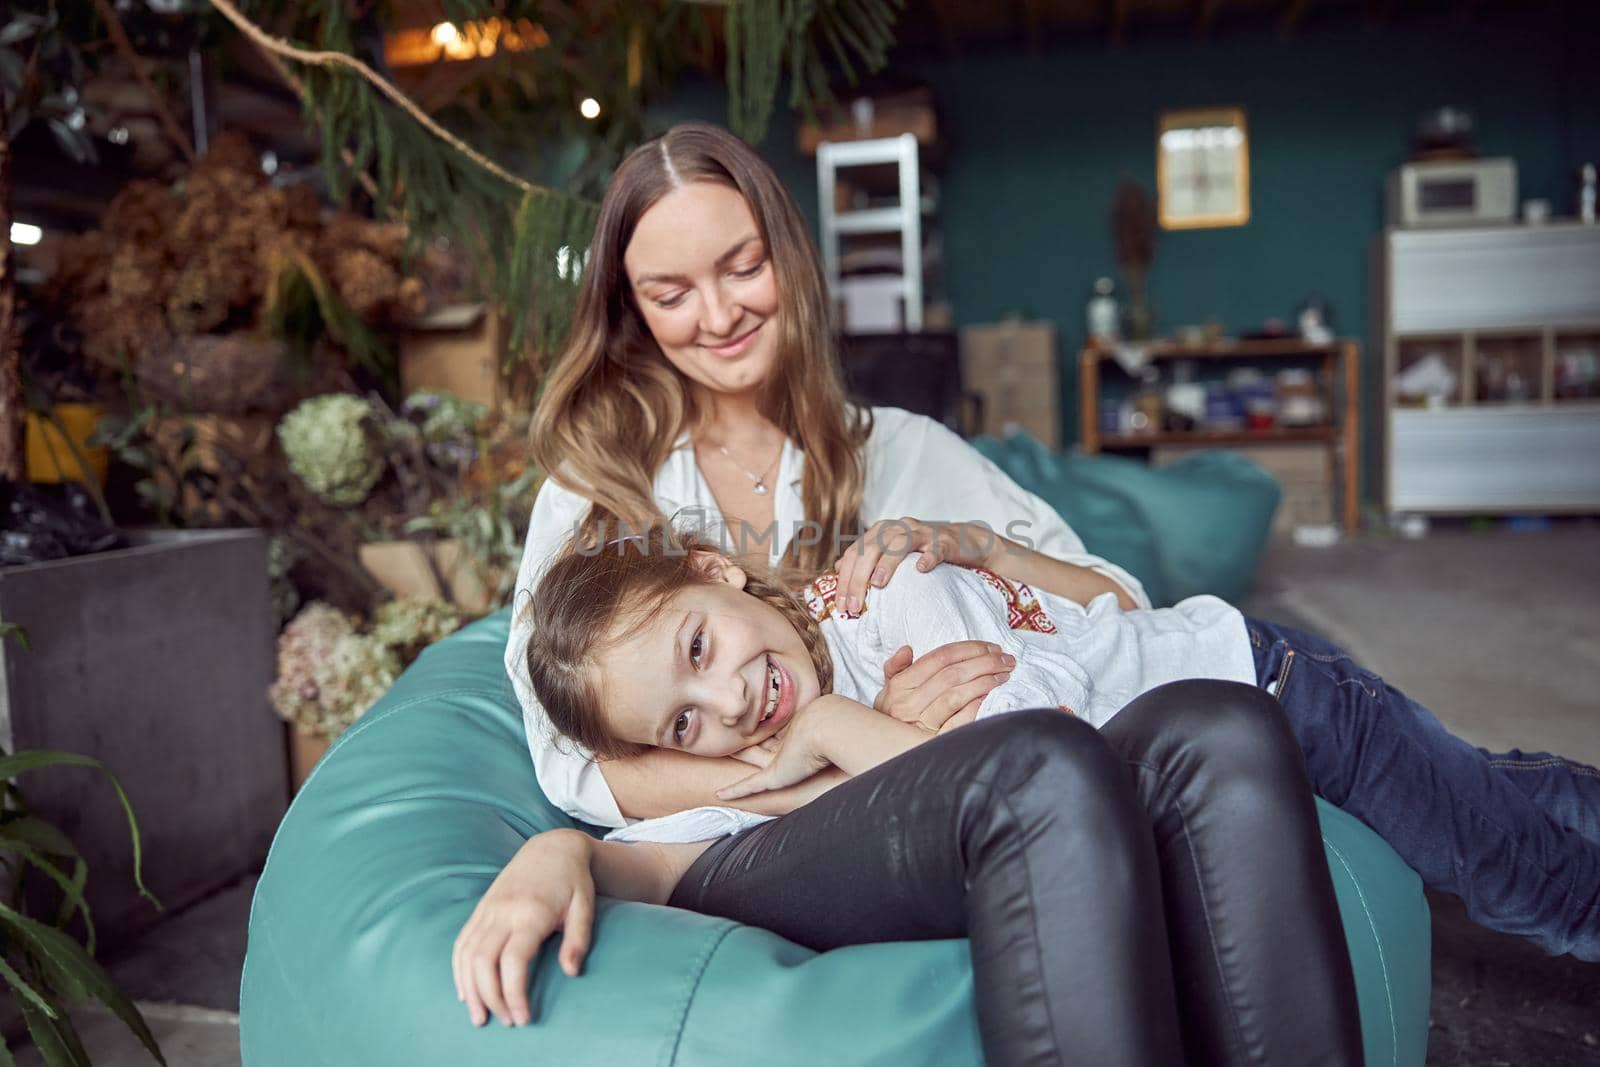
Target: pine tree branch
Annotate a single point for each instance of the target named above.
(283, 48)
(281, 69)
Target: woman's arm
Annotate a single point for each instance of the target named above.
(916, 466)
(1031, 567)
(663, 782)
(873, 559)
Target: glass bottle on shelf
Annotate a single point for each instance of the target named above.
(1103, 314)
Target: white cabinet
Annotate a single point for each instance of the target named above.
(1504, 325)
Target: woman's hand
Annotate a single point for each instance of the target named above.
(547, 886)
(946, 682)
(871, 560)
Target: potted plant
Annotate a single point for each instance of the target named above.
(47, 930)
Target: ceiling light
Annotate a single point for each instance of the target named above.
(25, 233)
(590, 108)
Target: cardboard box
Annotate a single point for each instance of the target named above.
(1015, 368)
(873, 303)
(442, 571)
(892, 114)
(457, 349)
(1304, 470)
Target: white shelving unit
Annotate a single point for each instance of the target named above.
(905, 218)
(1506, 309)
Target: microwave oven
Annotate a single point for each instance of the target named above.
(1465, 192)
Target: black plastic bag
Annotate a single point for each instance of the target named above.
(38, 523)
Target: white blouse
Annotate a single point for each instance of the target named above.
(915, 467)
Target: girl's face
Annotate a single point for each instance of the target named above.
(715, 671)
(703, 282)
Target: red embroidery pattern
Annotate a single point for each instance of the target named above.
(820, 596)
(1023, 610)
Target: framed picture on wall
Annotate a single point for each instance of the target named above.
(1203, 168)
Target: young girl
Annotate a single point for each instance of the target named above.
(1095, 874)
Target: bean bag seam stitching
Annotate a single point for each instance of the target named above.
(701, 967)
(1383, 964)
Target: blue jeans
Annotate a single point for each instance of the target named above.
(1516, 836)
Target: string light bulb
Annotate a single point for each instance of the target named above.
(589, 108)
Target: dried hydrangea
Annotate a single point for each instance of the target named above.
(415, 622)
(330, 442)
(328, 673)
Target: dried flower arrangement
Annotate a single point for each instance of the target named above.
(1133, 233)
(331, 668)
(193, 288)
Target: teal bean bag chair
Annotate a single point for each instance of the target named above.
(403, 825)
(1197, 525)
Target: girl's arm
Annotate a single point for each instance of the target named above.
(832, 733)
(663, 782)
(550, 885)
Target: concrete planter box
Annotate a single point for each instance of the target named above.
(155, 660)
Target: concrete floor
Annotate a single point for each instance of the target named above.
(1498, 632)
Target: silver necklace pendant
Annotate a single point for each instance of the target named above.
(758, 481)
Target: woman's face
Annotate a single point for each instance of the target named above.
(703, 282)
(715, 671)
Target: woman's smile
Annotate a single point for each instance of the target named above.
(738, 346)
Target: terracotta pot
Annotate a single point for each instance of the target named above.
(305, 749)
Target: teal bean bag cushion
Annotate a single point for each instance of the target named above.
(1197, 525)
(402, 826)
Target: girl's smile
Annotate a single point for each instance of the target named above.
(715, 670)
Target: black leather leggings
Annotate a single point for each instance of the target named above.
(1155, 893)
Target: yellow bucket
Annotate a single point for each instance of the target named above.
(52, 459)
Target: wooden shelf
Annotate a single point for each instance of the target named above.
(1288, 346)
(1339, 364)
(1280, 435)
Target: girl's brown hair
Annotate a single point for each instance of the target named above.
(613, 407)
(590, 596)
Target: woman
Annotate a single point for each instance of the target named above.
(700, 375)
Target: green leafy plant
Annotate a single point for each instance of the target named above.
(45, 966)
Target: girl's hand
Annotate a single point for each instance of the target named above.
(796, 756)
(871, 560)
(547, 886)
(759, 756)
(951, 680)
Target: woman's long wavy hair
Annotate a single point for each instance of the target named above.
(614, 407)
(592, 596)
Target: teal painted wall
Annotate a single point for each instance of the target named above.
(1037, 143)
